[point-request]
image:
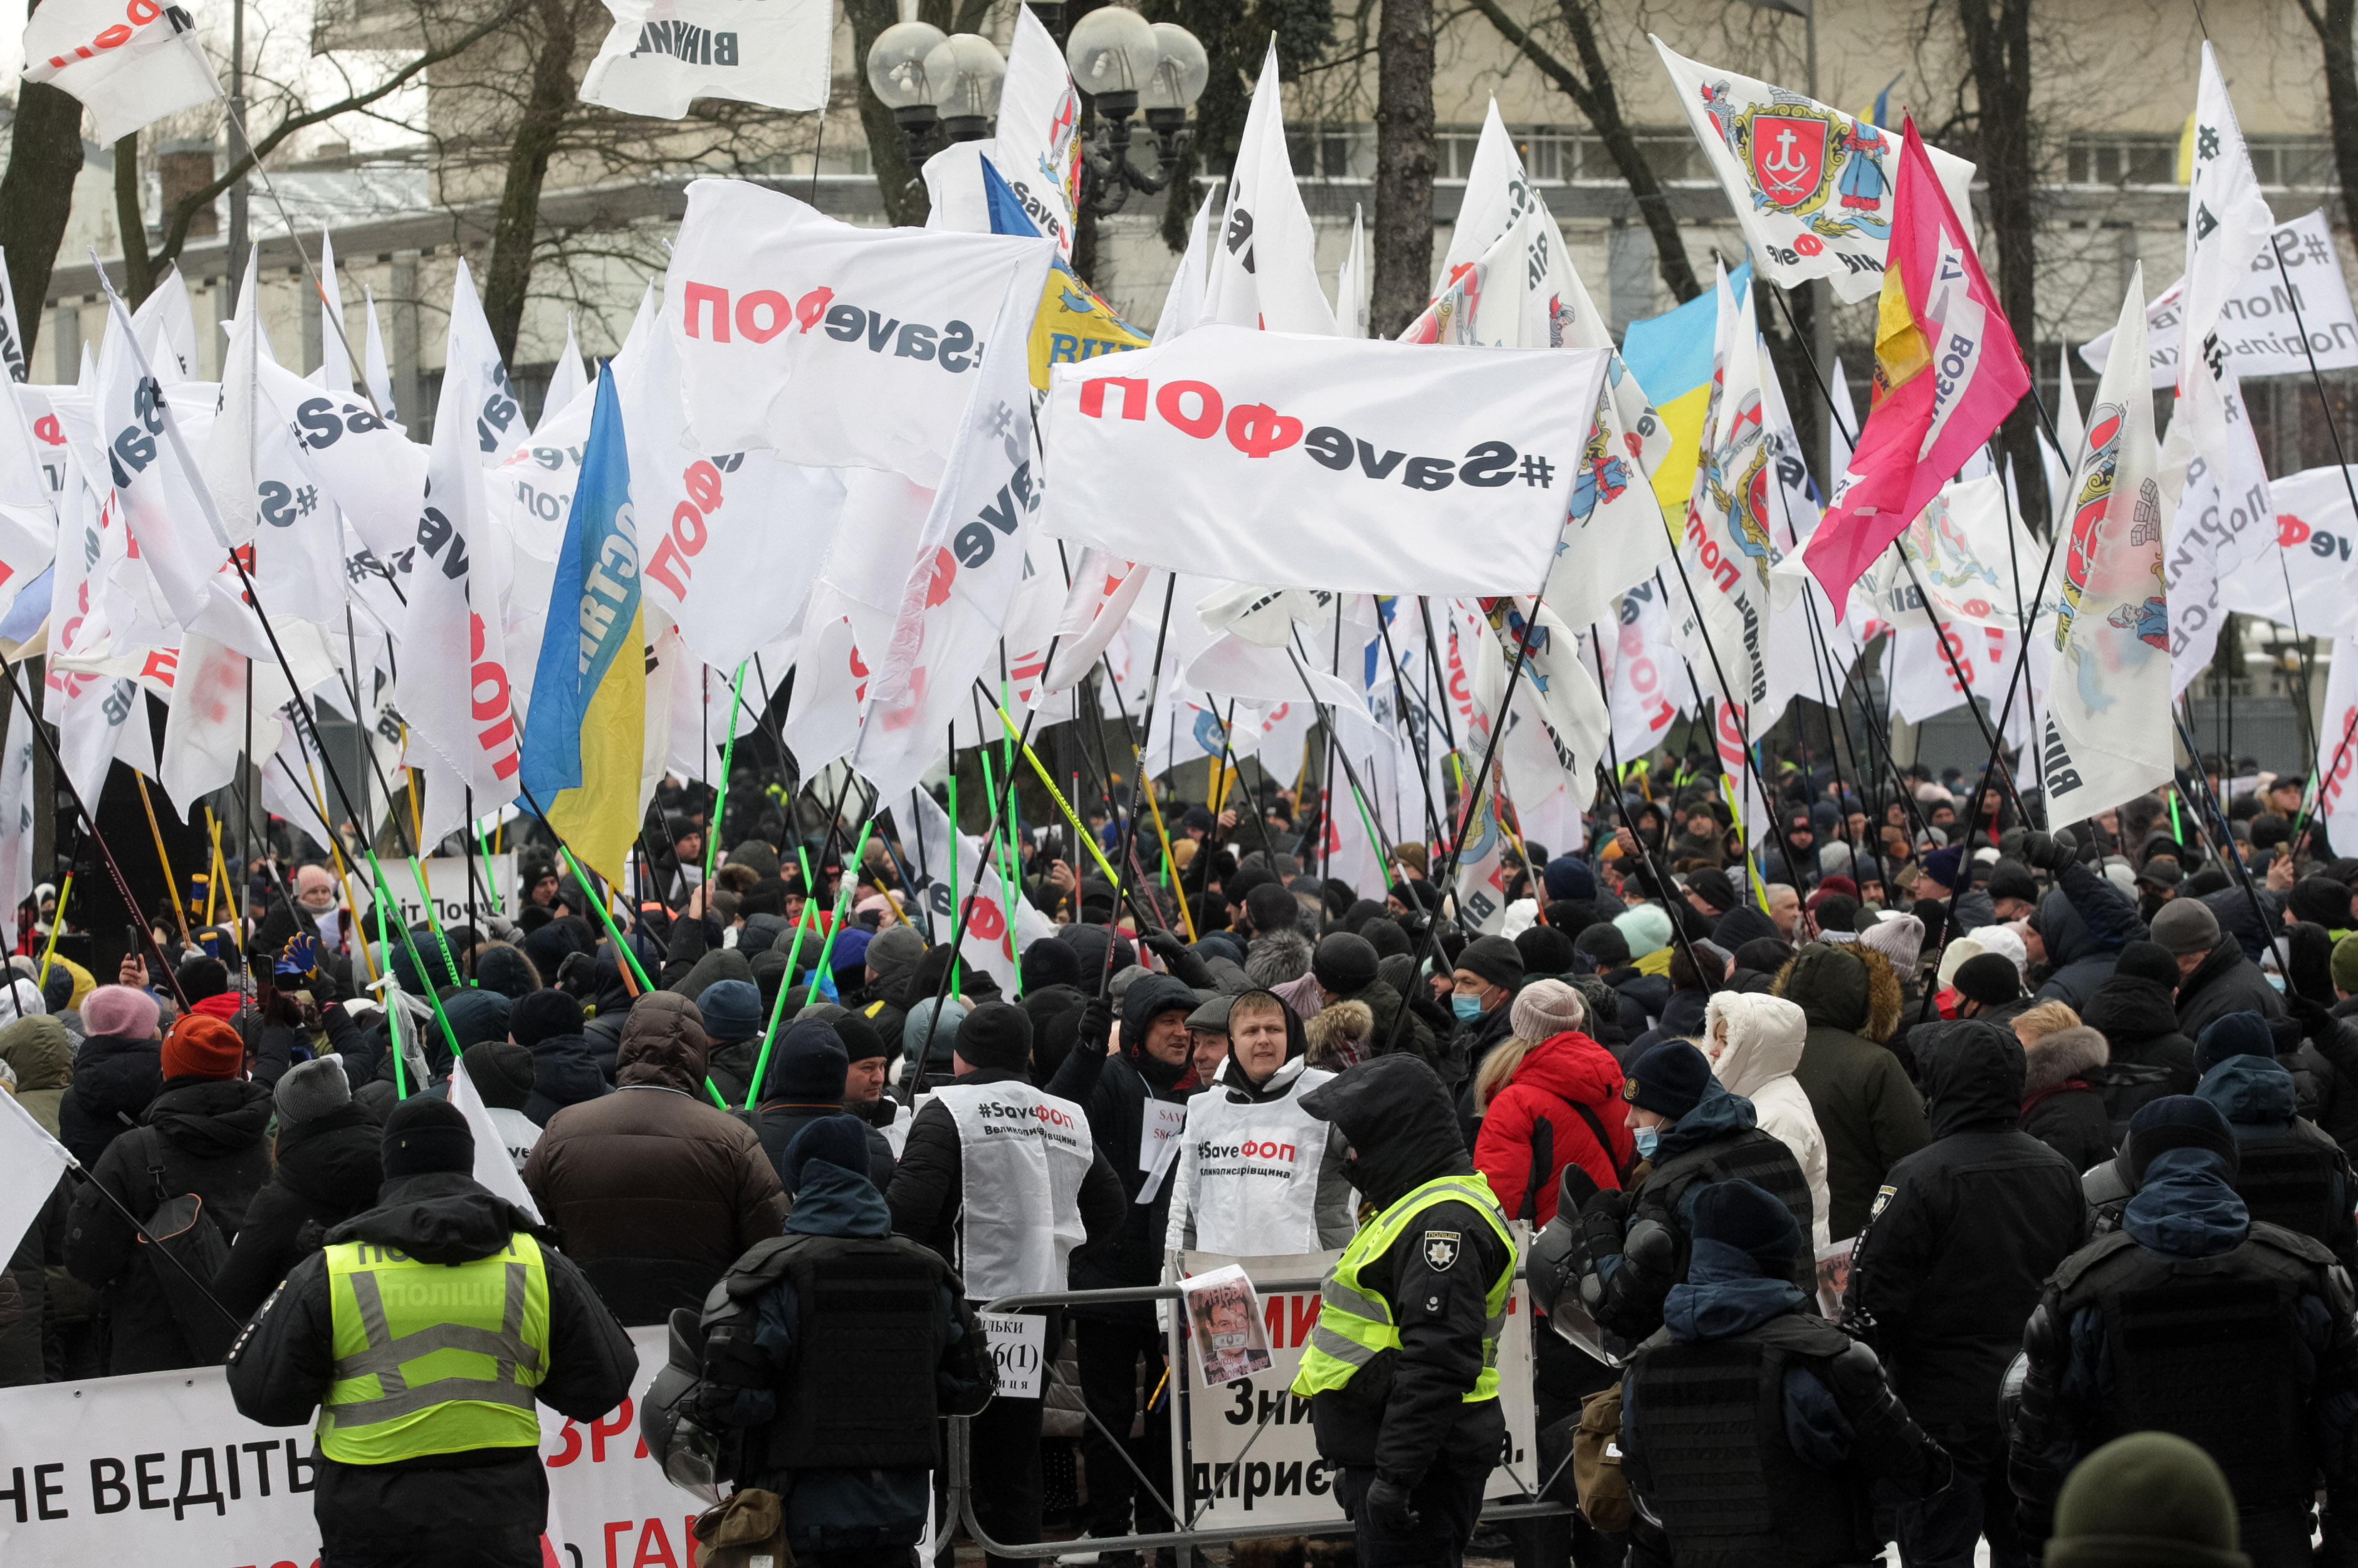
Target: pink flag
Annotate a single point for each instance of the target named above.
(1947, 373)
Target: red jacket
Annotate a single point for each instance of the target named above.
(1532, 1131)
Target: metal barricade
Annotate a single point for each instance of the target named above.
(960, 1501)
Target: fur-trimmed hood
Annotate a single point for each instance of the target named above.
(1339, 1029)
(1846, 986)
(2066, 1053)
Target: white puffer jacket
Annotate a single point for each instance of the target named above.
(1754, 1056)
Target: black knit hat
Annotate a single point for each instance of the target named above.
(1740, 1215)
(1344, 964)
(1494, 958)
(1272, 908)
(2148, 961)
(838, 1140)
(2012, 879)
(860, 1041)
(2174, 1121)
(1385, 935)
(424, 1136)
(542, 1015)
(1668, 1080)
(1604, 946)
(1989, 978)
(500, 1072)
(996, 1034)
(1545, 950)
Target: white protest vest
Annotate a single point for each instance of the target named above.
(1021, 1155)
(1253, 1169)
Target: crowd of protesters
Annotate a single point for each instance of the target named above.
(2085, 1099)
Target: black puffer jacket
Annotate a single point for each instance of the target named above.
(1406, 1410)
(2151, 1056)
(208, 1133)
(113, 1077)
(563, 1073)
(1117, 1108)
(327, 1172)
(1967, 1230)
(474, 1505)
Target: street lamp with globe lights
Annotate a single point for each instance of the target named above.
(896, 69)
(1125, 63)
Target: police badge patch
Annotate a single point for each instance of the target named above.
(1882, 1196)
(1441, 1249)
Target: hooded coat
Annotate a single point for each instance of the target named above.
(2151, 1056)
(1765, 1036)
(326, 1170)
(477, 1505)
(1406, 1410)
(1868, 1111)
(564, 1072)
(114, 1076)
(1117, 1111)
(2084, 922)
(2062, 1096)
(41, 1053)
(654, 1190)
(1971, 1227)
(208, 1133)
(1534, 1126)
(2258, 1097)
(2224, 982)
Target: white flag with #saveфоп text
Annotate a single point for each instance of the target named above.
(130, 61)
(662, 55)
(1287, 460)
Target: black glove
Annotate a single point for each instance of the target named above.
(1097, 1023)
(1164, 946)
(2050, 852)
(1387, 1509)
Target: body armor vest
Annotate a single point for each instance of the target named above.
(1752, 1156)
(2287, 1176)
(1720, 1476)
(2205, 1348)
(861, 1392)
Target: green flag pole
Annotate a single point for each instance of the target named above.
(728, 760)
(1002, 851)
(433, 991)
(393, 1012)
(787, 980)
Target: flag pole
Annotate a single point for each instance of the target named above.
(171, 881)
(728, 760)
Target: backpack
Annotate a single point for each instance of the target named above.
(1597, 1462)
(178, 1226)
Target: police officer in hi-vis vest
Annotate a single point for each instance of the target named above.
(1402, 1368)
(424, 1335)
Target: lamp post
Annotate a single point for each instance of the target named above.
(896, 69)
(1125, 64)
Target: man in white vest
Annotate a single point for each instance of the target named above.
(1004, 1181)
(1257, 1175)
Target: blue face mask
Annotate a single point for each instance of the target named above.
(1647, 1137)
(1464, 1006)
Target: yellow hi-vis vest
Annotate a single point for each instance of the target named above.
(1355, 1324)
(433, 1357)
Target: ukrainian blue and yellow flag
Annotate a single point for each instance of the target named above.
(1074, 322)
(587, 729)
(1670, 355)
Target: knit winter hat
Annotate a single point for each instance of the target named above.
(1646, 928)
(1344, 964)
(1943, 866)
(998, 1034)
(1739, 1215)
(2323, 900)
(807, 1066)
(838, 1140)
(732, 1009)
(500, 1072)
(1272, 908)
(1546, 950)
(1711, 885)
(201, 1046)
(1494, 959)
(2185, 925)
(2012, 879)
(543, 1015)
(311, 1089)
(1990, 979)
(1603, 945)
(1900, 939)
(2151, 961)
(123, 1010)
(2242, 1033)
(506, 971)
(2151, 1499)
(1668, 1080)
(2175, 1121)
(1568, 876)
(1385, 935)
(1545, 1009)
(860, 1041)
(1048, 962)
(895, 951)
(424, 1136)
(2345, 966)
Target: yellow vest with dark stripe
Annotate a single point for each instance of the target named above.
(433, 1357)
(1356, 1325)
